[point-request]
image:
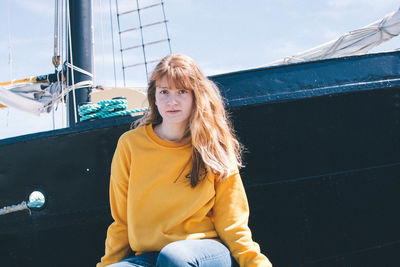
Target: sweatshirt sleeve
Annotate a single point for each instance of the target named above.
(117, 243)
(231, 214)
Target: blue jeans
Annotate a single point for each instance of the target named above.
(185, 253)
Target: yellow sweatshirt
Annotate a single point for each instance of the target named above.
(153, 204)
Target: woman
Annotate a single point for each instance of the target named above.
(175, 191)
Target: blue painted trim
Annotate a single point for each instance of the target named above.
(373, 55)
(80, 127)
(310, 79)
(308, 93)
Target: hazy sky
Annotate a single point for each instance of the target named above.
(222, 36)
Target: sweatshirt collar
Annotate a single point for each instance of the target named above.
(185, 142)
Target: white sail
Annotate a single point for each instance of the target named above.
(355, 42)
(31, 98)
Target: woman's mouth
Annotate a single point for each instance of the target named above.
(173, 111)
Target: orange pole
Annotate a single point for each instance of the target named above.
(25, 80)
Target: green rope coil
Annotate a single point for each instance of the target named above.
(106, 109)
(89, 108)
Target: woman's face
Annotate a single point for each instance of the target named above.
(175, 105)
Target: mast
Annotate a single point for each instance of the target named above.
(79, 41)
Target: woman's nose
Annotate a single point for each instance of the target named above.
(172, 99)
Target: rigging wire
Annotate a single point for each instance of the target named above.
(52, 111)
(63, 34)
(93, 51)
(9, 42)
(72, 62)
(61, 99)
(8, 117)
(166, 26)
(102, 37)
(120, 42)
(65, 89)
(142, 46)
(112, 43)
(56, 57)
(142, 38)
(9, 55)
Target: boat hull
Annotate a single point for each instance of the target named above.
(321, 173)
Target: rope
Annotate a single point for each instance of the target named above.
(106, 109)
(61, 100)
(79, 69)
(14, 208)
(65, 91)
(21, 206)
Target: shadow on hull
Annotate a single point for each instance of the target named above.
(321, 175)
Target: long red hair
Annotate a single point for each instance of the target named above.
(215, 147)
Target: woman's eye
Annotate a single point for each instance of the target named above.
(163, 92)
(183, 91)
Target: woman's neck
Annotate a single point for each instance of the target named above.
(170, 132)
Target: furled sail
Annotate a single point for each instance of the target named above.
(31, 98)
(355, 42)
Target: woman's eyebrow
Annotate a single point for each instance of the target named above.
(169, 88)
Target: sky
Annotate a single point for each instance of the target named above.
(221, 36)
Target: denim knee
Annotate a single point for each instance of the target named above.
(174, 255)
(193, 253)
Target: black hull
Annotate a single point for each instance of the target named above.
(322, 170)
